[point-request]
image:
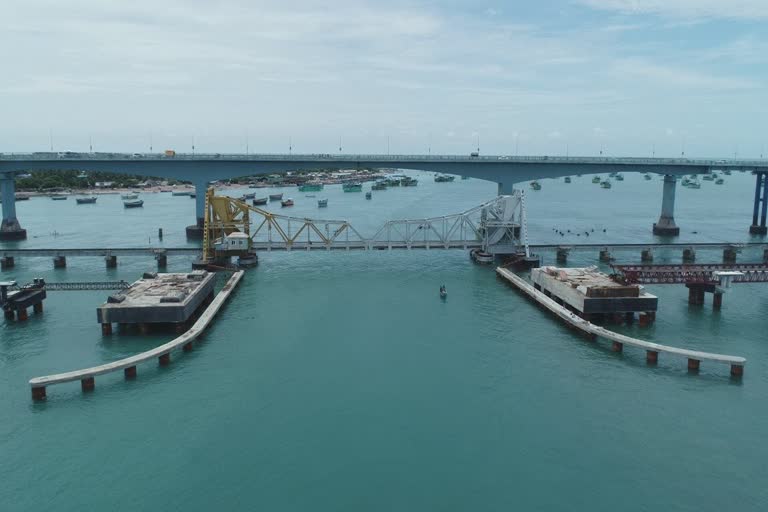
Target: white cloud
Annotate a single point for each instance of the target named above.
(697, 9)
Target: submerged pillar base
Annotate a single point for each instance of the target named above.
(13, 234)
(665, 229)
(38, 393)
(758, 230)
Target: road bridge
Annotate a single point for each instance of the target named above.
(504, 170)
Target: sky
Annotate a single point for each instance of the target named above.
(556, 77)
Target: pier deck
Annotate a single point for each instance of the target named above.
(128, 364)
(619, 340)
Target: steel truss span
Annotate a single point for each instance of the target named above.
(497, 226)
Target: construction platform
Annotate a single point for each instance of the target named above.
(14, 301)
(593, 295)
(169, 299)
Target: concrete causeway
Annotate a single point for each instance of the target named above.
(592, 331)
(128, 365)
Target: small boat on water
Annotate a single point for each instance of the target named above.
(287, 202)
(260, 201)
(86, 200)
(129, 197)
(719, 181)
(606, 184)
(181, 193)
(443, 292)
(694, 185)
(727, 172)
(612, 175)
(249, 196)
(21, 197)
(368, 195)
(647, 176)
(392, 182)
(322, 203)
(596, 179)
(379, 185)
(59, 198)
(442, 178)
(166, 190)
(567, 179)
(412, 182)
(193, 195)
(619, 177)
(275, 197)
(535, 185)
(137, 203)
(352, 187)
(311, 187)
(708, 177)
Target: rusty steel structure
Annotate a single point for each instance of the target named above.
(690, 274)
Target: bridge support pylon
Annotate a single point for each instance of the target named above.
(195, 231)
(666, 225)
(10, 229)
(761, 197)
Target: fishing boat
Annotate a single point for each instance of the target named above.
(393, 182)
(181, 192)
(287, 202)
(442, 178)
(596, 179)
(166, 190)
(379, 185)
(719, 181)
(567, 179)
(352, 187)
(647, 176)
(612, 175)
(686, 181)
(86, 200)
(59, 198)
(260, 201)
(619, 177)
(694, 184)
(250, 195)
(192, 195)
(21, 197)
(129, 197)
(322, 203)
(368, 195)
(727, 172)
(535, 185)
(708, 177)
(310, 195)
(275, 197)
(412, 182)
(136, 203)
(443, 292)
(606, 184)
(311, 187)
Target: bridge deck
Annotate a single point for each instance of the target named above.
(365, 245)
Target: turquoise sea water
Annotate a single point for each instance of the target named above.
(341, 382)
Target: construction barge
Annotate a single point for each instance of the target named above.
(158, 300)
(593, 295)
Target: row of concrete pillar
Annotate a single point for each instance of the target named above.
(7, 262)
(646, 255)
(697, 292)
(21, 314)
(652, 358)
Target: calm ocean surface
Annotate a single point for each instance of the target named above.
(340, 381)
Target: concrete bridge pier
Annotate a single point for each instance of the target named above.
(195, 231)
(689, 255)
(761, 197)
(110, 261)
(666, 225)
(7, 262)
(10, 229)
